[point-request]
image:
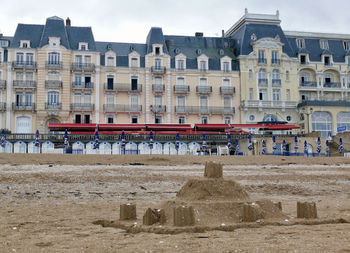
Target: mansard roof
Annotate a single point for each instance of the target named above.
(38, 35)
(155, 36)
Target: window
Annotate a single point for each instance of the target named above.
(157, 49)
(19, 76)
(274, 59)
(110, 119)
(77, 79)
(289, 118)
(346, 45)
(261, 56)
(0, 57)
(29, 99)
(343, 119)
(227, 120)
(53, 59)
(226, 67)
(83, 46)
(110, 61)
(226, 82)
(251, 117)
(262, 94)
(262, 76)
(203, 82)
(134, 102)
(321, 122)
(287, 75)
(327, 60)
(302, 59)
(110, 82)
(19, 99)
(77, 118)
(305, 96)
(134, 119)
(204, 120)
(181, 120)
(158, 119)
(250, 75)
(328, 78)
(25, 44)
(181, 100)
(251, 94)
(300, 43)
(87, 59)
(110, 99)
(203, 65)
(276, 94)
(287, 95)
(180, 65)
(323, 44)
(157, 64)
(157, 100)
(227, 102)
(275, 74)
(29, 76)
(19, 58)
(203, 101)
(270, 118)
(180, 81)
(134, 62)
(30, 59)
(53, 98)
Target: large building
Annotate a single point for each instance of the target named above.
(255, 72)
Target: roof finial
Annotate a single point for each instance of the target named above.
(278, 14)
(246, 11)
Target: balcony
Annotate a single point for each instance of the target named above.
(128, 108)
(262, 61)
(24, 84)
(82, 107)
(24, 65)
(332, 85)
(128, 87)
(158, 70)
(77, 66)
(51, 106)
(2, 84)
(157, 108)
(269, 104)
(181, 88)
(227, 90)
(204, 89)
(205, 109)
(53, 84)
(2, 106)
(23, 107)
(53, 65)
(158, 87)
(81, 85)
(276, 82)
(262, 82)
(308, 84)
(110, 86)
(109, 108)
(275, 62)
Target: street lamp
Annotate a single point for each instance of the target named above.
(308, 113)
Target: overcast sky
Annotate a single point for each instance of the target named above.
(130, 21)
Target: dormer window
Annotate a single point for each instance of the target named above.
(180, 65)
(346, 45)
(157, 51)
(110, 61)
(226, 66)
(323, 44)
(134, 62)
(25, 44)
(83, 46)
(203, 66)
(327, 60)
(302, 59)
(300, 43)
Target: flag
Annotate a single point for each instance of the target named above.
(319, 148)
(237, 147)
(204, 143)
(36, 142)
(263, 150)
(305, 148)
(274, 146)
(177, 143)
(329, 136)
(3, 140)
(123, 141)
(150, 140)
(250, 145)
(296, 144)
(341, 149)
(284, 147)
(96, 143)
(66, 143)
(327, 148)
(229, 141)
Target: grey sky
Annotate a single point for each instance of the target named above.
(130, 21)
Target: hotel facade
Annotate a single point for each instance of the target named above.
(255, 72)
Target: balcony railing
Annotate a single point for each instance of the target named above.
(110, 86)
(308, 84)
(227, 90)
(204, 89)
(24, 64)
(275, 61)
(53, 84)
(51, 106)
(332, 85)
(82, 107)
(128, 108)
(157, 108)
(269, 104)
(109, 108)
(205, 109)
(158, 70)
(24, 84)
(2, 106)
(83, 66)
(262, 61)
(53, 64)
(128, 87)
(262, 82)
(81, 85)
(276, 82)
(23, 107)
(158, 87)
(2, 84)
(181, 88)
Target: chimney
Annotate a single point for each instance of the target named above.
(223, 33)
(68, 22)
(198, 34)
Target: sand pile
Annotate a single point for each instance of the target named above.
(212, 189)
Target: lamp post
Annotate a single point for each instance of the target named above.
(308, 113)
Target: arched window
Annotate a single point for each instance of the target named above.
(270, 118)
(262, 74)
(304, 77)
(322, 122)
(53, 59)
(343, 119)
(275, 74)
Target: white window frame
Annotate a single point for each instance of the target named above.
(83, 46)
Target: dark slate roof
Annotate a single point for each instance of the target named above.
(121, 48)
(54, 27)
(80, 34)
(27, 32)
(155, 36)
(312, 47)
(38, 35)
(243, 37)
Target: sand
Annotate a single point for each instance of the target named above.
(49, 203)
